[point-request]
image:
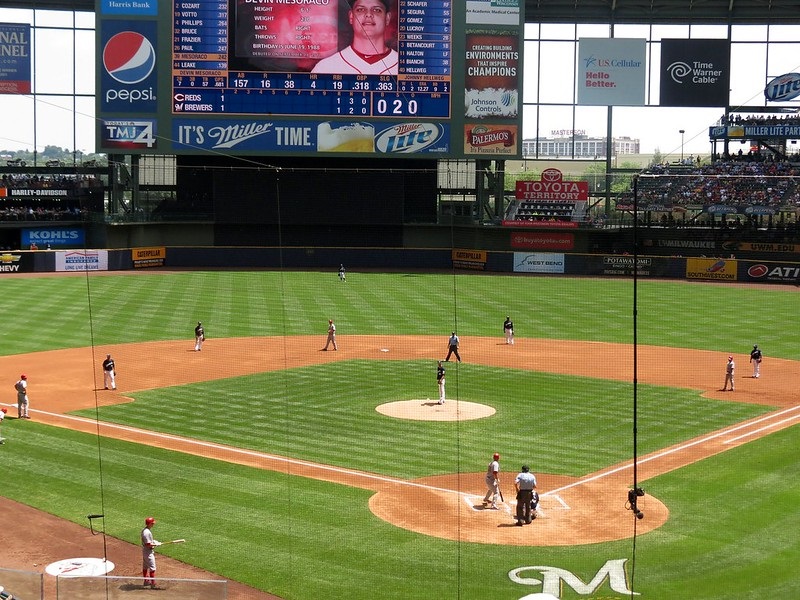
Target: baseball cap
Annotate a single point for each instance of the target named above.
(4, 409)
(730, 358)
(149, 521)
(496, 456)
(23, 376)
(525, 468)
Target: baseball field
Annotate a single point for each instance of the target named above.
(304, 474)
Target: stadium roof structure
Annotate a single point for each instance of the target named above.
(774, 12)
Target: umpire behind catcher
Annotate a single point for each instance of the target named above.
(525, 483)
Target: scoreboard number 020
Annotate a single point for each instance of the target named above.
(396, 107)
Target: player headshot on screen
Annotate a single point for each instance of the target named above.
(368, 54)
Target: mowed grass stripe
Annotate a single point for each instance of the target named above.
(329, 416)
(130, 308)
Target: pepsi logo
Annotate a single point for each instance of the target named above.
(129, 57)
(757, 271)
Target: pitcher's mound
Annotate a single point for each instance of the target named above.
(431, 410)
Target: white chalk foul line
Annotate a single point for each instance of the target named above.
(244, 452)
(681, 448)
(403, 482)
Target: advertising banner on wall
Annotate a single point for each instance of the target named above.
(148, 257)
(491, 85)
(15, 58)
(770, 272)
(695, 72)
(82, 260)
(55, 237)
(543, 240)
(538, 262)
(718, 269)
(16, 262)
(469, 259)
(611, 72)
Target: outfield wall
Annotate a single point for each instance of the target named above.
(728, 270)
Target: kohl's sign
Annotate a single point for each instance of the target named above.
(56, 237)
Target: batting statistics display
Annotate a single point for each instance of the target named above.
(264, 66)
(394, 77)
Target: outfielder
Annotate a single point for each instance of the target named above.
(148, 553)
(755, 359)
(22, 397)
(3, 412)
(109, 373)
(730, 368)
(508, 330)
(199, 337)
(492, 482)
(440, 380)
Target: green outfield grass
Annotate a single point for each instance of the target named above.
(731, 530)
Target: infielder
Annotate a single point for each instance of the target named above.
(148, 553)
(199, 337)
(508, 330)
(755, 358)
(331, 335)
(730, 368)
(492, 482)
(109, 373)
(22, 397)
(440, 380)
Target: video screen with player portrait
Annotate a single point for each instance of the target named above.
(335, 37)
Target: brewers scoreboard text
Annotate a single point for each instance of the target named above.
(204, 80)
(437, 77)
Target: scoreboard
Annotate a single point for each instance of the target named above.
(202, 71)
(290, 77)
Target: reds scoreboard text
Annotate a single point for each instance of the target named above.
(296, 35)
(300, 77)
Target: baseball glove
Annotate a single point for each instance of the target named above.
(203, 338)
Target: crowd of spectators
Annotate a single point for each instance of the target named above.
(40, 213)
(31, 207)
(746, 120)
(729, 182)
(41, 182)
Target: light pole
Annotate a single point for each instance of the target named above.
(681, 131)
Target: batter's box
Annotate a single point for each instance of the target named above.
(476, 504)
(546, 502)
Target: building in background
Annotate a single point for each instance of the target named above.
(569, 144)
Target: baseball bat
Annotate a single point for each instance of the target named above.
(501, 495)
(180, 541)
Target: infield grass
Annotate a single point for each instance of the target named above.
(733, 516)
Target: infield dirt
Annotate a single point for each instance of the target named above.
(575, 511)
